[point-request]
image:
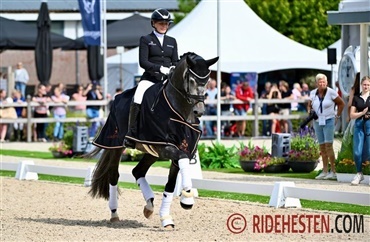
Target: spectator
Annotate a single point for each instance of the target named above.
(111, 100)
(227, 109)
(244, 93)
(49, 90)
(59, 112)
(323, 100)
(266, 124)
(4, 126)
(360, 111)
(41, 111)
(92, 93)
(211, 108)
(21, 79)
(78, 96)
(305, 94)
(355, 91)
(285, 108)
(62, 88)
(297, 95)
(18, 127)
(273, 108)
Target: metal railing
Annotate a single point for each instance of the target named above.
(255, 116)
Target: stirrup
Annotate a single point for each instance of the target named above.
(167, 221)
(187, 199)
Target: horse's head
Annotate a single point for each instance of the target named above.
(193, 71)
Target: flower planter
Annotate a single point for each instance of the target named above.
(347, 178)
(302, 166)
(277, 168)
(248, 165)
(57, 154)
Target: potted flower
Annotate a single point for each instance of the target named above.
(271, 164)
(304, 152)
(60, 150)
(249, 154)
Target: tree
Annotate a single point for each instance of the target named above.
(185, 7)
(302, 21)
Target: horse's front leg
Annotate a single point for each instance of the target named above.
(187, 195)
(139, 173)
(164, 211)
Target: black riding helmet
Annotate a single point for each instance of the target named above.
(161, 14)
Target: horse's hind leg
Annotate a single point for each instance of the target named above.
(164, 211)
(139, 173)
(113, 186)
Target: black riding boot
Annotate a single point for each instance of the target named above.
(132, 125)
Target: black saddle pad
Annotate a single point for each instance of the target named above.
(161, 124)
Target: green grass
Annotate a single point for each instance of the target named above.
(316, 205)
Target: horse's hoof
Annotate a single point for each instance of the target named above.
(169, 227)
(114, 218)
(167, 222)
(148, 212)
(187, 199)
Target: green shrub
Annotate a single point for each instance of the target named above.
(218, 156)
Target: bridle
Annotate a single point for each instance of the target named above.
(200, 80)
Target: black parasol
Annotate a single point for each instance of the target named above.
(95, 63)
(43, 48)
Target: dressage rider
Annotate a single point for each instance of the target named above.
(157, 54)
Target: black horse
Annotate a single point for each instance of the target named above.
(168, 128)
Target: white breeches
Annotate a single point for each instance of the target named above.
(140, 90)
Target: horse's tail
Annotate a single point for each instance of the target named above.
(106, 172)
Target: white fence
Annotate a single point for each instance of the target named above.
(255, 116)
(283, 194)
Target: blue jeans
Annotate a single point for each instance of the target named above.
(93, 113)
(59, 129)
(361, 142)
(325, 133)
(210, 124)
(21, 86)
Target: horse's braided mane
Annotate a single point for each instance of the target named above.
(188, 53)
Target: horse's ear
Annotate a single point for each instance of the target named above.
(212, 61)
(190, 61)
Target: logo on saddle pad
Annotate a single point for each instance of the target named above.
(184, 146)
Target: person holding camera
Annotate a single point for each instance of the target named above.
(92, 92)
(322, 101)
(360, 111)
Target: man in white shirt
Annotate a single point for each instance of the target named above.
(21, 78)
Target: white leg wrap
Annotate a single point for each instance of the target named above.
(164, 211)
(166, 204)
(113, 197)
(145, 188)
(187, 198)
(185, 172)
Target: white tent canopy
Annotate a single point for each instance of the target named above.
(247, 43)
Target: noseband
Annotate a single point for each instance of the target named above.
(200, 80)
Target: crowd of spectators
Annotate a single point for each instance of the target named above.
(244, 93)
